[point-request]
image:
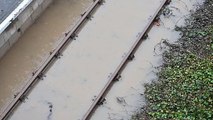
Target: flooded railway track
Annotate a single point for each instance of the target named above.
(38, 74)
(68, 37)
(127, 58)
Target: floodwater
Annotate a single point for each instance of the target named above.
(35, 44)
(126, 96)
(79, 75)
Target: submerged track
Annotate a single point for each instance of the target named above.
(129, 56)
(68, 37)
(39, 73)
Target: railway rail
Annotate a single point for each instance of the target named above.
(70, 36)
(39, 73)
(128, 57)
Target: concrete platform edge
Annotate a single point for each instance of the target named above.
(20, 23)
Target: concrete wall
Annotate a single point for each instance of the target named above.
(20, 23)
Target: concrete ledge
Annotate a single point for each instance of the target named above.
(17, 23)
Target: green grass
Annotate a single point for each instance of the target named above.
(184, 92)
(184, 89)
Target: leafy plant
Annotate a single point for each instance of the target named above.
(184, 90)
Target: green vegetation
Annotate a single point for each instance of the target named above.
(184, 90)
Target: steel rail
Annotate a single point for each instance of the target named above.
(116, 75)
(68, 37)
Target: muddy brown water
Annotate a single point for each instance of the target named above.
(73, 81)
(36, 43)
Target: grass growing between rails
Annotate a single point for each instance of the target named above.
(184, 89)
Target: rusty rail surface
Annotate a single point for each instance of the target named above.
(117, 73)
(38, 74)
